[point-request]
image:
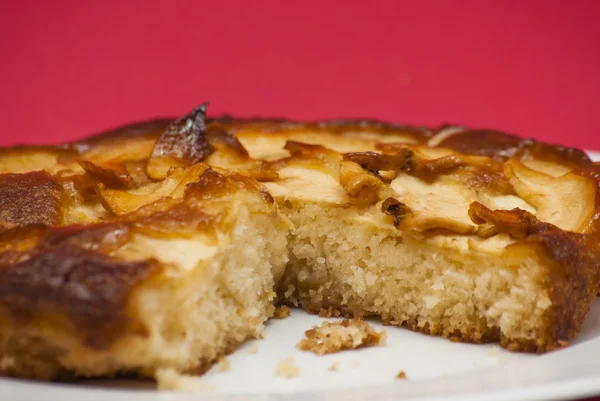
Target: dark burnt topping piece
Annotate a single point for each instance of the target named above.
(183, 144)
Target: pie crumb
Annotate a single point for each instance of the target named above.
(253, 350)
(355, 364)
(286, 368)
(333, 337)
(282, 312)
(223, 365)
(401, 375)
(170, 379)
(334, 367)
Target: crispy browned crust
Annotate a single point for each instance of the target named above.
(500, 146)
(69, 270)
(32, 198)
(48, 271)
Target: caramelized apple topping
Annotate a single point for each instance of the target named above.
(172, 218)
(120, 201)
(112, 175)
(375, 162)
(183, 144)
(399, 157)
(312, 156)
(224, 141)
(567, 201)
(516, 222)
(137, 172)
(363, 187)
(230, 154)
(395, 208)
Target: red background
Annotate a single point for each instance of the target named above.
(69, 68)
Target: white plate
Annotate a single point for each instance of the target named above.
(437, 370)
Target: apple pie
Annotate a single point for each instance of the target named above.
(161, 246)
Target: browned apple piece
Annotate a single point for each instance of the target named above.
(567, 201)
(183, 144)
(230, 154)
(376, 162)
(516, 222)
(120, 201)
(363, 187)
(312, 156)
(112, 175)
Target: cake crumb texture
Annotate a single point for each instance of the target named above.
(333, 337)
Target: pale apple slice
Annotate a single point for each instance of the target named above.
(567, 201)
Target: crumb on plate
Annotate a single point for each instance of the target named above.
(253, 349)
(333, 337)
(401, 375)
(286, 368)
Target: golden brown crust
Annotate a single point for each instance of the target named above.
(32, 198)
(88, 287)
(573, 281)
(500, 146)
